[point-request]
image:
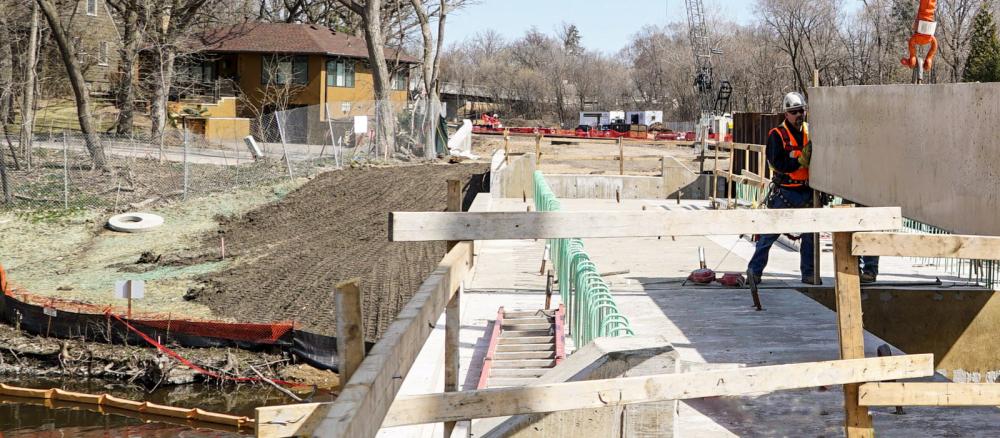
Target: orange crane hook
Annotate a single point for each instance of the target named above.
(923, 34)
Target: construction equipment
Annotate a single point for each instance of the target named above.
(923, 35)
(711, 104)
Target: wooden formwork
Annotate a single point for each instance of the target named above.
(369, 400)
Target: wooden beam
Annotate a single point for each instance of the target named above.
(360, 408)
(741, 146)
(350, 328)
(424, 226)
(453, 316)
(926, 245)
(929, 394)
(858, 423)
(497, 402)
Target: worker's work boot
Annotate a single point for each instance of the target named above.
(867, 277)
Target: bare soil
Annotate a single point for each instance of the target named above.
(293, 252)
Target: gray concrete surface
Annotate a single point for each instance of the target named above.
(930, 149)
(713, 327)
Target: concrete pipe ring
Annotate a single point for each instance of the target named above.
(135, 222)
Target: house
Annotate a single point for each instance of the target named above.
(268, 67)
(94, 33)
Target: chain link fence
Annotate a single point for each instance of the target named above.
(140, 170)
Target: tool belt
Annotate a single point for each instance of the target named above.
(783, 179)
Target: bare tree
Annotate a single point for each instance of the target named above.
(955, 19)
(77, 82)
(30, 83)
(370, 12)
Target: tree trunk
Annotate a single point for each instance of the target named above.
(385, 126)
(77, 82)
(28, 97)
(8, 197)
(125, 92)
(161, 93)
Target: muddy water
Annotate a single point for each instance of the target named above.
(31, 418)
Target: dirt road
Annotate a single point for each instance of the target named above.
(292, 253)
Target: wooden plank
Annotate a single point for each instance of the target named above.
(423, 226)
(926, 245)
(360, 408)
(350, 328)
(929, 394)
(727, 146)
(453, 316)
(857, 421)
(483, 403)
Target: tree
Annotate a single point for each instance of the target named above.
(431, 67)
(983, 64)
(131, 14)
(68, 53)
(370, 12)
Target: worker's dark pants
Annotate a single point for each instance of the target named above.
(786, 198)
(868, 264)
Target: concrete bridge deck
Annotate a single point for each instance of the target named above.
(710, 327)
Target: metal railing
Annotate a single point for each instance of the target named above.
(591, 310)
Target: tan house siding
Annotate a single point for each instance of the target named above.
(97, 42)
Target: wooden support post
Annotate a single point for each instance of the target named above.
(506, 146)
(729, 179)
(549, 280)
(350, 328)
(621, 156)
(538, 148)
(715, 179)
(817, 249)
(453, 314)
(858, 423)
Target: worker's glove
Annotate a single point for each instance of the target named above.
(806, 156)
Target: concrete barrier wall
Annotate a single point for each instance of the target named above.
(512, 178)
(958, 326)
(930, 149)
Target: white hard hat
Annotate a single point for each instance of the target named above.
(793, 101)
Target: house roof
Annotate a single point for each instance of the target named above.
(290, 38)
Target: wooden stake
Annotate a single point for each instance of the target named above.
(453, 315)
(858, 423)
(506, 146)
(350, 329)
(621, 156)
(538, 148)
(549, 278)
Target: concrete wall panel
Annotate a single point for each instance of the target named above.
(933, 150)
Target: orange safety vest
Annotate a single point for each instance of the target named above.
(801, 175)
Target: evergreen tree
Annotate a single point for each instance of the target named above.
(983, 64)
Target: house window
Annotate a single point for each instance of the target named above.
(92, 7)
(102, 53)
(400, 81)
(340, 73)
(280, 70)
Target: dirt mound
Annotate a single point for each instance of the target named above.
(292, 253)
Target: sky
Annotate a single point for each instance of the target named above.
(604, 25)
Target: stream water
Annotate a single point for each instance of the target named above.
(33, 418)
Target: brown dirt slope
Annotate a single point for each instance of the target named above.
(292, 253)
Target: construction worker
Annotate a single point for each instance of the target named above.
(788, 153)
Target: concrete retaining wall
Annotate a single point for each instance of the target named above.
(958, 326)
